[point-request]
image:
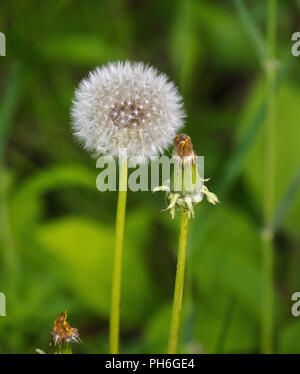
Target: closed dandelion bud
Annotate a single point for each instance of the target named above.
(186, 188)
(185, 177)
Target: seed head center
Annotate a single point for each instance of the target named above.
(128, 113)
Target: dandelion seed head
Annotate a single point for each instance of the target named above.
(126, 106)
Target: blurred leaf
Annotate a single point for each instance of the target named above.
(223, 35)
(184, 46)
(226, 324)
(252, 30)
(286, 201)
(235, 162)
(287, 150)
(157, 330)
(26, 202)
(242, 334)
(9, 105)
(250, 129)
(79, 50)
(84, 251)
(233, 254)
(8, 254)
(289, 339)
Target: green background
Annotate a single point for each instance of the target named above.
(57, 230)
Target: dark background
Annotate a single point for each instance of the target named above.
(57, 230)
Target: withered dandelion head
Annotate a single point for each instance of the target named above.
(186, 188)
(62, 332)
(127, 106)
(183, 148)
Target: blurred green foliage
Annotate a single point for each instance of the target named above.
(57, 230)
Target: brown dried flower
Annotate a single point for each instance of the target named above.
(62, 332)
(183, 148)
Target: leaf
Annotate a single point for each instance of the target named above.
(252, 30)
(84, 252)
(246, 137)
(224, 37)
(79, 49)
(289, 338)
(242, 335)
(9, 105)
(157, 330)
(26, 204)
(287, 156)
(286, 201)
(184, 46)
(227, 261)
(230, 255)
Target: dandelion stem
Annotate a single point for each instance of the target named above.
(179, 282)
(117, 269)
(63, 349)
(269, 172)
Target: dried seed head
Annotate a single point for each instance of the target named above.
(62, 332)
(127, 106)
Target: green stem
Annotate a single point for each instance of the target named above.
(269, 181)
(177, 302)
(117, 269)
(63, 349)
(267, 294)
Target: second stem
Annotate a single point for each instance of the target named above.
(179, 282)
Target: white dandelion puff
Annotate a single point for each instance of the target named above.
(127, 106)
